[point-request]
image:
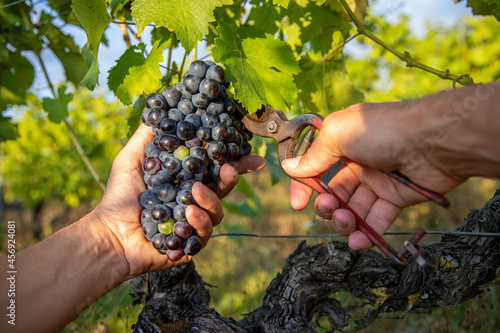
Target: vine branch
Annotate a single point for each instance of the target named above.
(405, 56)
(72, 134)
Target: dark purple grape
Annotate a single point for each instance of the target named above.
(182, 229)
(155, 153)
(168, 125)
(193, 142)
(229, 107)
(199, 112)
(175, 255)
(198, 68)
(160, 241)
(232, 151)
(149, 148)
(192, 245)
(146, 216)
(145, 115)
(184, 93)
(164, 155)
(161, 177)
(198, 152)
(156, 116)
(209, 63)
(150, 229)
(217, 73)
(220, 132)
(199, 100)
(185, 130)
(172, 166)
(191, 164)
(209, 120)
(151, 165)
(173, 242)
(187, 185)
(215, 108)
(192, 83)
(204, 133)
(151, 201)
(180, 212)
(193, 119)
(247, 149)
(222, 93)
(168, 142)
(186, 107)
(172, 204)
(175, 114)
(249, 134)
(213, 187)
(172, 96)
(214, 172)
(216, 150)
(160, 214)
(201, 174)
(143, 197)
(184, 175)
(156, 100)
(166, 192)
(209, 88)
(225, 119)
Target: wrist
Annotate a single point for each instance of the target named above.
(107, 247)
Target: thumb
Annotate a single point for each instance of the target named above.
(320, 157)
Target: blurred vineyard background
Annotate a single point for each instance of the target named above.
(45, 185)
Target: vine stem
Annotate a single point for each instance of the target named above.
(72, 134)
(405, 56)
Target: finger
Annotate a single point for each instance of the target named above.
(200, 221)
(229, 178)
(380, 218)
(325, 204)
(133, 151)
(248, 163)
(300, 195)
(208, 201)
(344, 222)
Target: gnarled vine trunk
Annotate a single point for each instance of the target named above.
(177, 301)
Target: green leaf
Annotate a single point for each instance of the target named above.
(282, 3)
(91, 79)
(485, 7)
(16, 77)
(260, 67)
(135, 118)
(7, 130)
(324, 83)
(273, 164)
(63, 9)
(189, 19)
(94, 18)
(133, 74)
(57, 108)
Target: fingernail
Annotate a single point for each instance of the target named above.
(341, 225)
(290, 163)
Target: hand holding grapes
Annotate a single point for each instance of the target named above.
(434, 141)
(119, 208)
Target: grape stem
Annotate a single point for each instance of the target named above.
(405, 56)
(72, 134)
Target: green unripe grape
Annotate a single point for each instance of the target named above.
(181, 152)
(166, 227)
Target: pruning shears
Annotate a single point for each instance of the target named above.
(272, 123)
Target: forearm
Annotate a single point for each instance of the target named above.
(457, 131)
(61, 276)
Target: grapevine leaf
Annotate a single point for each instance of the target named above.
(17, 75)
(7, 130)
(189, 19)
(260, 67)
(324, 83)
(57, 108)
(485, 7)
(63, 9)
(133, 74)
(92, 77)
(282, 3)
(94, 18)
(265, 16)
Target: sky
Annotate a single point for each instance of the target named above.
(444, 13)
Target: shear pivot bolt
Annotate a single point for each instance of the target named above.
(272, 127)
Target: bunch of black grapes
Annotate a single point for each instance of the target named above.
(197, 129)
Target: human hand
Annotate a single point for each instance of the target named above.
(119, 209)
(367, 138)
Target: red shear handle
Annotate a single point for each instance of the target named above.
(375, 238)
